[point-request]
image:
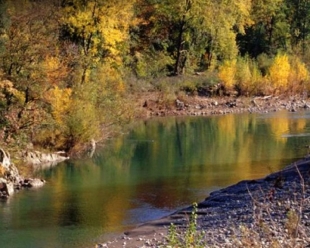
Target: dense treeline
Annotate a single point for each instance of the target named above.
(66, 66)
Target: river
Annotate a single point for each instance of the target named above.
(158, 167)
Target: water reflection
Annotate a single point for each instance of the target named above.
(160, 166)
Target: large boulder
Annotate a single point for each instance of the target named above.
(6, 188)
(33, 182)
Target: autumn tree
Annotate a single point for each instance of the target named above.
(95, 35)
(193, 32)
(298, 12)
(99, 29)
(28, 37)
(270, 31)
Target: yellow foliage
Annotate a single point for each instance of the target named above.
(60, 100)
(279, 72)
(299, 75)
(248, 76)
(9, 87)
(55, 70)
(101, 25)
(110, 79)
(227, 73)
(83, 121)
(244, 8)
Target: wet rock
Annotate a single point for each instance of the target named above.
(33, 182)
(6, 188)
(11, 180)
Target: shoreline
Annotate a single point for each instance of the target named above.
(224, 211)
(151, 105)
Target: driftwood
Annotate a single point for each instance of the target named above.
(260, 98)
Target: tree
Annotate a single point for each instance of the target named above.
(28, 36)
(191, 31)
(270, 31)
(298, 18)
(99, 28)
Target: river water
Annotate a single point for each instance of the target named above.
(162, 165)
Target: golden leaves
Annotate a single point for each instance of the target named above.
(60, 100)
(54, 69)
(279, 71)
(100, 26)
(8, 87)
(227, 73)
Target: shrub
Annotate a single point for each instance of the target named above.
(190, 237)
(299, 76)
(248, 77)
(227, 73)
(279, 73)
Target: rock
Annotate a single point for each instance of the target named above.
(180, 105)
(2, 183)
(36, 157)
(215, 103)
(36, 182)
(11, 180)
(6, 188)
(5, 159)
(9, 189)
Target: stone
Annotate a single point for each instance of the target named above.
(180, 105)
(7, 188)
(36, 157)
(36, 182)
(5, 159)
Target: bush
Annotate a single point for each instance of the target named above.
(190, 237)
(279, 73)
(299, 76)
(248, 77)
(227, 74)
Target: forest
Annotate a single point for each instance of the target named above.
(69, 68)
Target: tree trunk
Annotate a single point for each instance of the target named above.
(179, 48)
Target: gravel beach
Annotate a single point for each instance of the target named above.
(270, 212)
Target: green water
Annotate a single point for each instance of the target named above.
(160, 166)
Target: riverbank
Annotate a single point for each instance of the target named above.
(155, 104)
(272, 211)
